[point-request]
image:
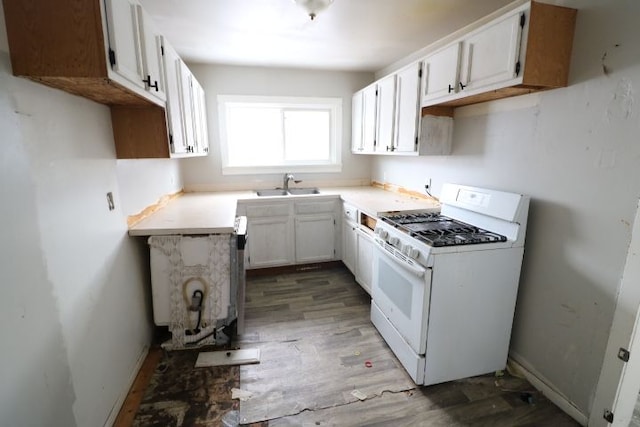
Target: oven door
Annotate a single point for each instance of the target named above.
(401, 290)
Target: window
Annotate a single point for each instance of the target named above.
(276, 134)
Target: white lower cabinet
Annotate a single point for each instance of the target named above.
(315, 240)
(357, 247)
(349, 245)
(289, 232)
(269, 234)
(364, 262)
(270, 242)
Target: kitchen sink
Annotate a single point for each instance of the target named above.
(292, 191)
(272, 192)
(299, 191)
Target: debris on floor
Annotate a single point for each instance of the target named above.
(358, 394)
(242, 395)
(228, 357)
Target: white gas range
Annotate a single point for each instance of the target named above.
(445, 285)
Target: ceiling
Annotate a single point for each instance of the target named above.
(355, 35)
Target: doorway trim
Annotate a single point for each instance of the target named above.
(619, 382)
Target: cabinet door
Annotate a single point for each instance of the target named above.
(124, 40)
(440, 74)
(356, 122)
(269, 242)
(315, 238)
(490, 55)
(171, 70)
(408, 109)
(369, 117)
(364, 267)
(186, 105)
(199, 108)
(151, 49)
(386, 113)
(349, 245)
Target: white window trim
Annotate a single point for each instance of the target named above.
(335, 106)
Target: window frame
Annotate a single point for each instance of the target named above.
(332, 104)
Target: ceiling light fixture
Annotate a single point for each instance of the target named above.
(313, 7)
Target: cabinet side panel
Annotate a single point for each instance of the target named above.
(139, 132)
(549, 47)
(55, 38)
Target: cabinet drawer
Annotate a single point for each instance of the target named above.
(349, 212)
(314, 207)
(268, 210)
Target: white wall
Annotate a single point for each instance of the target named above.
(205, 173)
(74, 299)
(576, 151)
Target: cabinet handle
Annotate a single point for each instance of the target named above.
(450, 88)
(148, 82)
(462, 86)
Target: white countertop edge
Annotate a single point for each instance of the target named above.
(371, 200)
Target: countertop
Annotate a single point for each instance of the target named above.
(215, 213)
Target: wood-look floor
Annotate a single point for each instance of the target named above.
(326, 311)
(301, 310)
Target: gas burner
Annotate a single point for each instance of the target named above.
(413, 218)
(439, 230)
(457, 236)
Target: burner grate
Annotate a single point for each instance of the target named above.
(439, 230)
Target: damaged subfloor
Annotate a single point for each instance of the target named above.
(278, 308)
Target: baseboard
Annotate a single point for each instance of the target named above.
(125, 390)
(297, 268)
(541, 384)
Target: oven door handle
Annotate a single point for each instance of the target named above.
(417, 271)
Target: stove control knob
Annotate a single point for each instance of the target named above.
(394, 241)
(383, 234)
(413, 253)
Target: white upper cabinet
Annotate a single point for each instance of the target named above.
(356, 122)
(125, 52)
(386, 113)
(491, 55)
(369, 114)
(201, 140)
(363, 120)
(186, 108)
(186, 103)
(114, 57)
(171, 77)
(440, 73)
(525, 50)
(134, 47)
(407, 109)
(151, 49)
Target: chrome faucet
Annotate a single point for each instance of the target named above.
(288, 177)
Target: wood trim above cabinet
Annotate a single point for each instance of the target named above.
(549, 45)
(61, 38)
(101, 90)
(139, 131)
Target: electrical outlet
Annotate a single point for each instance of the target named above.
(427, 184)
(110, 202)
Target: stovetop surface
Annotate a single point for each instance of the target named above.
(438, 230)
